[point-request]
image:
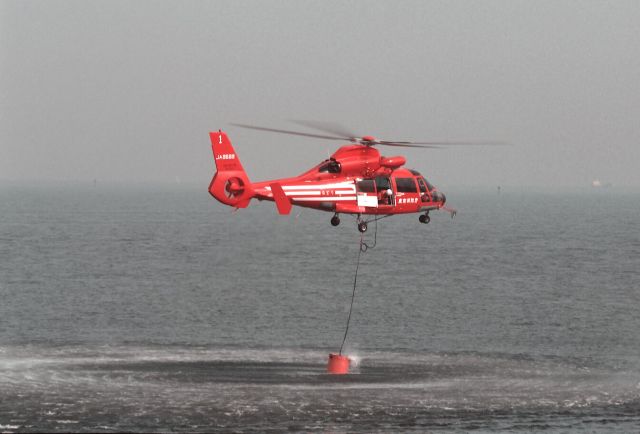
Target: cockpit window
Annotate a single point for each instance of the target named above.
(324, 168)
(415, 172)
(429, 185)
(422, 185)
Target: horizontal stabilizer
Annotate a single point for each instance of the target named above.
(282, 201)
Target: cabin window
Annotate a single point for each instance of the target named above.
(406, 185)
(366, 186)
(382, 183)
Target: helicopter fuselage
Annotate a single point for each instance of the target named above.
(356, 179)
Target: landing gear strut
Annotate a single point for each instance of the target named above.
(335, 220)
(424, 218)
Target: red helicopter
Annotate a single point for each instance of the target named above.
(355, 180)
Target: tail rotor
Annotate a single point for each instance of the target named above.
(234, 187)
(230, 185)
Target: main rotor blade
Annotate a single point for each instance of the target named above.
(343, 135)
(327, 127)
(407, 145)
(293, 133)
(445, 143)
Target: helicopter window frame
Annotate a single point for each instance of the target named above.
(366, 186)
(382, 183)
(429, 185)
(422, 185)
(406, 185)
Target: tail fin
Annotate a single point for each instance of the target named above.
(230, 185)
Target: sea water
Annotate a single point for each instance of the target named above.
(154, 308)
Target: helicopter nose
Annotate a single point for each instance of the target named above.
(438, 196)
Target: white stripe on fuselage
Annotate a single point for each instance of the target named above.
(345, 185)
(303, 193)
(318, 193)
(324, 198)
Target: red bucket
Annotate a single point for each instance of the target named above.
(338, 364)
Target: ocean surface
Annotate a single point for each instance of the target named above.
(157, 309)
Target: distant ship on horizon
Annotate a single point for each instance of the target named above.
(596, 183)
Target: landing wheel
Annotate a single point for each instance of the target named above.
(362, 227)
(335, 220)
(424, 218)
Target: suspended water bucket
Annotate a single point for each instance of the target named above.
(338, 364)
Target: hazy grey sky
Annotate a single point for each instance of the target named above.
(128, 91)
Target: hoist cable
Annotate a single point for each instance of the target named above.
(353, 294)
(363, 248)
